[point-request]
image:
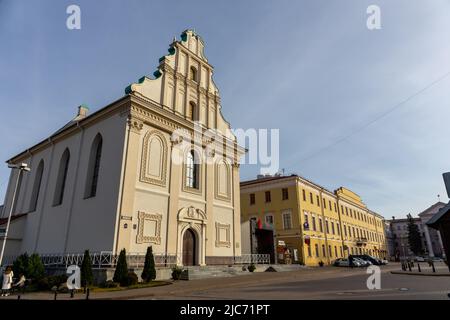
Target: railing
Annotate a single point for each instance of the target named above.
(105, 259)
(361, 241)
(252, 258)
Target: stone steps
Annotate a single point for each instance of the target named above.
(205, 272)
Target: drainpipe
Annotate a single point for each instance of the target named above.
(168, 206)
(300, 215)
(327, 251)
(122, 178)
(341, 227)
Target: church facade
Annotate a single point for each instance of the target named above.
(158, 167)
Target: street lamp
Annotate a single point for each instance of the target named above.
(21, 167)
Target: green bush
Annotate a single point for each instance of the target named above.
(36, 270)
(87, 277)
(121, 273)
(47, 283)
(132, 279)
(109, 284)
(30, 266)
(149, 272)
(176, 273)
(20, 265)
(251, 267)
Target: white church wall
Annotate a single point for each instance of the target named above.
(93, 220)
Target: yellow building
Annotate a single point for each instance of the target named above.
(314, 223)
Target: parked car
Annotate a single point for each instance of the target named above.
(363, 263)
(384, 261)
(437, 259)
(419, 259)
(366, 257)
(343, 262)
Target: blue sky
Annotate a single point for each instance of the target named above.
(310, 68)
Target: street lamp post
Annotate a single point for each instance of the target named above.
(21, 167)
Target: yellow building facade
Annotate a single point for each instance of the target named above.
(314, 223)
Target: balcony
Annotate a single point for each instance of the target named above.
(361, 242)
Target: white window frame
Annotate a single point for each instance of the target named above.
(287, 213)
(269, 215)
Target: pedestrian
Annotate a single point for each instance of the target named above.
(350, 261)
(7, 281)
(20, 285)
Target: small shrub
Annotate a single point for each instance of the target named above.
(109, 284)
(176, 273)
(149, 272)
(47, 283)
(20, 265)
(87, 276)
(63, 288)
(251, 267)
(321, 263)
(36, 270)
(121, 272)
(132, 279)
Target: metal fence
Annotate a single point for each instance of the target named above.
(252, 258)
(105, 259)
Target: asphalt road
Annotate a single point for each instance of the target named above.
(305, 284)
(329, 283)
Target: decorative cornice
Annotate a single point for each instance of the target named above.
(135, 124)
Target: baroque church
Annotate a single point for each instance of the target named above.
(108, 181)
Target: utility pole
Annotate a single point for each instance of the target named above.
(21, 167)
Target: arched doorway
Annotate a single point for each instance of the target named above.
(189, 245)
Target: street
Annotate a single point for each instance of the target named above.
(305, 284)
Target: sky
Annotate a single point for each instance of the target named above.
(365, 109)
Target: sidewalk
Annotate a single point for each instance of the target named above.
(425, 270)
(183, 288)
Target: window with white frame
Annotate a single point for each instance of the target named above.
(269, 218)
(287, 220)
(192, 170)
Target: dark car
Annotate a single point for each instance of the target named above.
(373, 260)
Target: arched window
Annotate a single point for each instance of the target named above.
(94, 167)
(36, 186)
(192, 113)
(193, 76)
(61, 180)
(192, 170)
(223, 176)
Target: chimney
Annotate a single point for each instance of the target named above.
(82, 112)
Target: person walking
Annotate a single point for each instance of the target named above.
(20, 285)
(7, 281)
(350, 261)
